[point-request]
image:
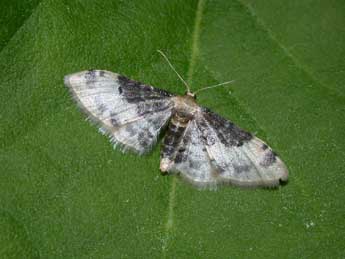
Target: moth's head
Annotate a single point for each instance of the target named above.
(193, 95)
(188, 92)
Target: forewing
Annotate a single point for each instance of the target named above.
(239, 157)
(129, 112)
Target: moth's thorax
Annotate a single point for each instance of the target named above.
(186, 105)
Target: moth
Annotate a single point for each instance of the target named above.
(199, 145)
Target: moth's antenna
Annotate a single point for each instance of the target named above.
(184, 82)
(213, 86)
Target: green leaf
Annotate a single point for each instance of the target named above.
(12, 15)
(64, 191)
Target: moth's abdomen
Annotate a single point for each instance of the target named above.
(172, 144)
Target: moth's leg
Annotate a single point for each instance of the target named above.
(173, 145)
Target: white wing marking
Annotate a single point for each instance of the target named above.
(251, 163)
(196, 167)
(108, 101)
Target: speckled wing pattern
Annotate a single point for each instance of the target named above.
(239, 157)
(129, 112)
(208, 150)
(199, 145)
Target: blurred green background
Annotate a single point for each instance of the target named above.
(64, 191)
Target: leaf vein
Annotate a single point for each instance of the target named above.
(286, 50)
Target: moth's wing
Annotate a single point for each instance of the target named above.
(239, 157)
(184, 152)
(129, 112)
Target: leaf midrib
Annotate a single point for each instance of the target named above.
(194, 54)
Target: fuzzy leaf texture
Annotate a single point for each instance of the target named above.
(64, 191)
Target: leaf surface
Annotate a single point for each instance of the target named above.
(64, 191)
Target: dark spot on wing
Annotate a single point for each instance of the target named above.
(180, 157)
(101, 73)
(227, 132)
(134, 98)
(194, 164)
(135, 91)
(90, 75)
(269, 159)
(90, 78)
(101, 107)
(182, 149)
(264, 146)
(150, 135)
(120, 90)
(145, 138)
(158, 122)
(113, 120)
